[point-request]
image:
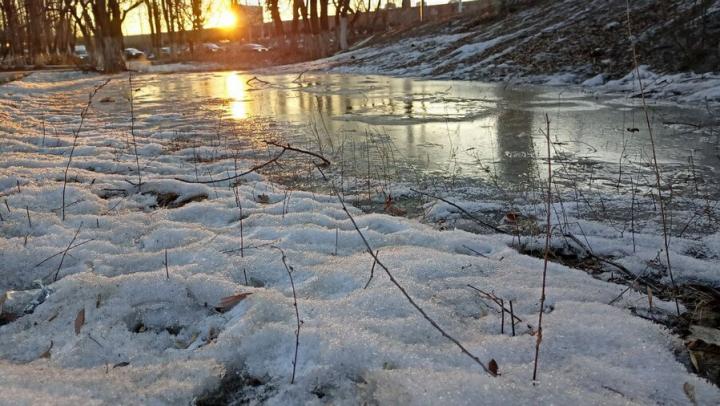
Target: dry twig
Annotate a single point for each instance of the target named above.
(289, 270)
(538, 338)
(401, 288)
(83, 114)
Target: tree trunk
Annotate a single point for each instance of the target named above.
(376, 14)
(275, 15)
(324, 23)
(108, 35)
(112, 54)
(154, 33)
(36, 30)
(12, 28)
(87, 29)
(197, 20)
(344, 6)
(314, 26)
(169, 24)
(343, 33)
(304, 14)
(296, 15)
(158, 23)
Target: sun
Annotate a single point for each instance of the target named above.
(227, 19)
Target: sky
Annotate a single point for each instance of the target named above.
(218, 14)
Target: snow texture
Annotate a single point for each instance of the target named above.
(151, 339)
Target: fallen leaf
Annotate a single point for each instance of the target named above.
(493, 367)
(694, 361)
(3, 298)
(47, 354)
(79, 321)
(229, 302)
(121, 364)
(650, 296)
(263, 198)
(689, 390)
(6, 318)
(391, 209)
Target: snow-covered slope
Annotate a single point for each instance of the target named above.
(558, 43)
(150, 333)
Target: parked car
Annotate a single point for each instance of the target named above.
(133, 53)
(179, 50)
(81, 52)
(211, 48)
(253, 48)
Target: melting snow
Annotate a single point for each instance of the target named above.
(152, 339)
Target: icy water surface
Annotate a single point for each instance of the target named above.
(406, 128)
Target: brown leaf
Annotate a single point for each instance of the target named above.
(79, 321)
(694, 361)
(229, 302)
(6, 318)
(391, 209)
(650, 296)
(47, 354)
(511, 217)
(3, 298)
(689, 390)
(389, 201)
(263, 198)
(493, 367)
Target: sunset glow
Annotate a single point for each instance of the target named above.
(227, 19)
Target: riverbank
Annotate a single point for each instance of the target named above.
(557, 43)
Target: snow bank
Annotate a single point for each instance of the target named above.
(558, 44)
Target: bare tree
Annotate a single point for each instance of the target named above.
(274, 7)
(314, 24)
(109, 42)
(324, 24)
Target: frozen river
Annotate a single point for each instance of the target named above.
(462, 131)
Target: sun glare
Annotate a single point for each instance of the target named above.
(227, 19)
(235, 89)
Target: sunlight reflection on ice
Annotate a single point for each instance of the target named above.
(235, 91)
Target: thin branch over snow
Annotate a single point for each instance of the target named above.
(401, 288)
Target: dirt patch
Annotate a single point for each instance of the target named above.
(237, 388)
(551, 37)
(172, 200)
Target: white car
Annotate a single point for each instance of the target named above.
(80, 51)
(210, 47)
(253, 48)
(133, 53)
